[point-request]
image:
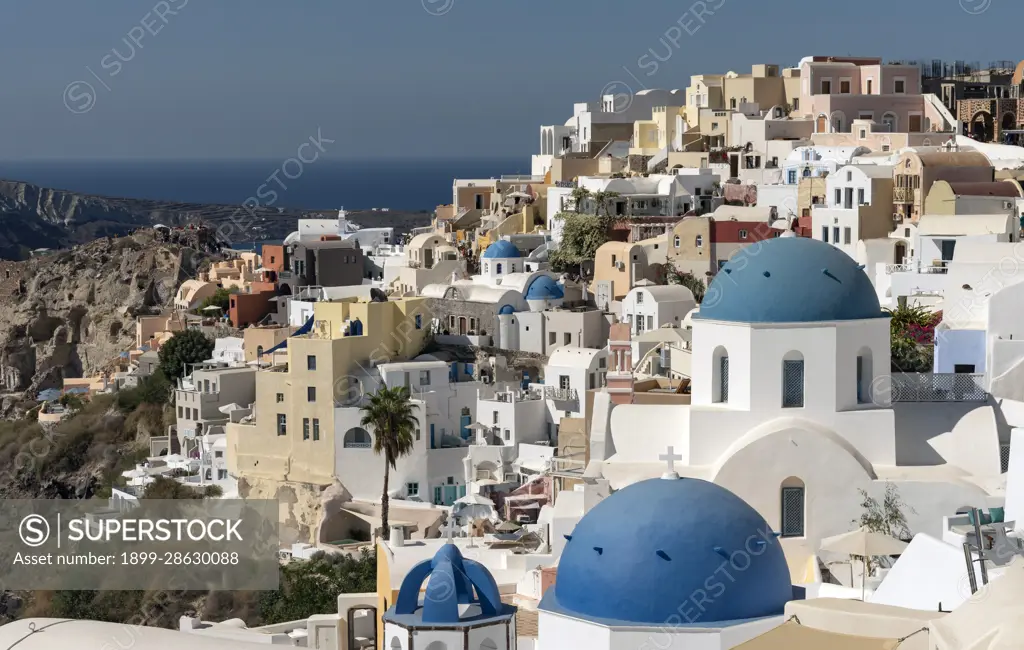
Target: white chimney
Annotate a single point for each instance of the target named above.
(397, 538)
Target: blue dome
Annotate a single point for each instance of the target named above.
(790, 280)
(544, 288)
(501, 249)
(452, 581)
(507, 309)
(646, 552)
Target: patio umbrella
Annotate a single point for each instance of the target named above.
(864, 543)
(476, 426)
(212, 308)
(507, 527)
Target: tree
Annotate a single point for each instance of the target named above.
(887, 517)
(189, 346)
(390, 414)
(688, 280)
(167, 488)
(579, 198)
(601, 200)
(220, 298)
(912, 338)
(312, 586)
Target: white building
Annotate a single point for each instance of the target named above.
(648, 307)
(858, 206)
(568, 375)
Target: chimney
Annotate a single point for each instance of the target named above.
(397, 538)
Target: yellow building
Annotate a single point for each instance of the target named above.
(653, 135)
(292, 436)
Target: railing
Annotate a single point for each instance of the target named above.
(357, 445)
(938, 387)
(567, 466)
(898, 268)
(560, 394)
(522, 178)
(902, 195)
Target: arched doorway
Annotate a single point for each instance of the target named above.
(822, 126)
(900, 253)
(1009, 122)
(981, 126)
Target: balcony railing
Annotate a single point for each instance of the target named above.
(903, 195)
(938, 387)
(560, 394)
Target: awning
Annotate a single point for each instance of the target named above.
(793, 636)
(305, 329)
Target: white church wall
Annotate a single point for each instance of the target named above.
(496, 634)
(930, 572)
(639, 430)
(1015, 478)
(919, 422)
(556, 632)
(395, 638)
(708, 338)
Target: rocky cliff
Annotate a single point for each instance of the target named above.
(70, 313)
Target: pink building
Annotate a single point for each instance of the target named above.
(835, 91)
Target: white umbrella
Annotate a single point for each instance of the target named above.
(212, 308)
(475, 500)
(863, 543)
(476, 426)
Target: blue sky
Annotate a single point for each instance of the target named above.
(386, 78)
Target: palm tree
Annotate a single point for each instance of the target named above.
(390, 413)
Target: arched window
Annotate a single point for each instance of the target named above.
(396, 643)
(793, 380)
(487, 644)
(891, 122)
(698, 241)
(792, 524)
(720, 376)
(357, 438)
(259, 350)
(437, 645)
(807, 172)
(865, 375)
(676, 241)
(487, 268)
(497, 268)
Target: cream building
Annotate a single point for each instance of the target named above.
(290, 438)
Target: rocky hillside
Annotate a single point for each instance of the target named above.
(34, 217)
(70, 313)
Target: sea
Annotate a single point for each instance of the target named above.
(325, 184)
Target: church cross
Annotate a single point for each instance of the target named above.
(670, 457)
(450, 527)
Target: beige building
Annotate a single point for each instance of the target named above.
(915, 173)
(766, 85)
(154, 330)
(617, 267)
(259, 339)
(191, 294)
(292, 435)
(235, 273)
(972, 198)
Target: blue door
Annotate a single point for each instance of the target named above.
(464, 431)
(451, 493)
(437, 496)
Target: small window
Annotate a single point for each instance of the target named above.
(424, 377)
(824, 234)
(563, 382)
(316, 428)
(699, 241)
(552, 338)
(282, 424)
(602, 362)
(218, 454)
(844, 87)
(419, 322)
(311, 362)
(412, 489)
(675, 241)
(417, 434)
(849, 176)
(835, 234)
(839, 195)
(860, 196)
(311, 393)
(847, 233)
(792, 512)
(305, 428)
(508, 435)
(180, 412)
(743, 234)
(567, 338)
(639, 297)
(793, 383)
(280, 397)
(900, 86)
(826, 86)
(870, 84)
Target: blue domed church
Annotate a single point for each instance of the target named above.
(460, 608)
(681, 558)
